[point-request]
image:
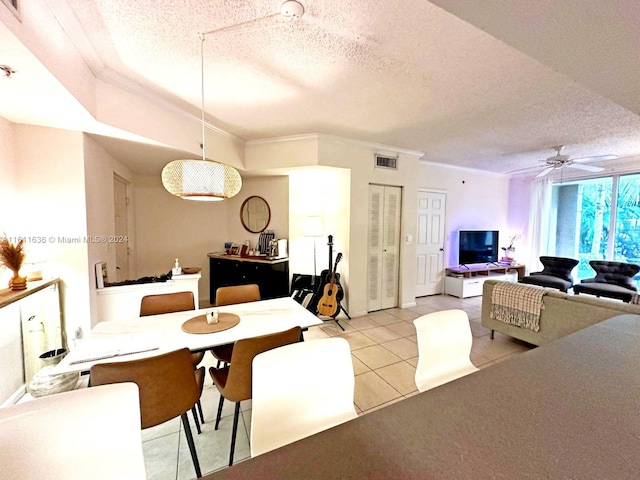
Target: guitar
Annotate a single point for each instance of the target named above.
(329, 304)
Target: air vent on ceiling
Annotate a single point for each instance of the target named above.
(383, 161)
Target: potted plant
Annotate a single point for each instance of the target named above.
(12, 256)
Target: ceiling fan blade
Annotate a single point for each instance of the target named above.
(592, 159)
(588, 168)
(544, 172)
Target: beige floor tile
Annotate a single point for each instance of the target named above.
(383, 318)
(412, 361)
(413, 338)
(494, 349)
(478, 360)
(386, 404)
(375, 356)
(363, 323)
(402, 347)
(315, 333)
(404, 329)
(423, 309)
(477, 330)
(400, 376)
(358, 340)
(358, 366)
(331, 328)
(381, 334)
(403, 313)
(372, 391)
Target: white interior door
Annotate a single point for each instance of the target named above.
(385, 203)
(122, 228)
(430, 242)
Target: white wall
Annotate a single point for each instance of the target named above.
(168, 227)
(52, 208)
(275, 190)
(359, 158)
(518, 218)
(8, 190)
(99, 169)
(475, 201)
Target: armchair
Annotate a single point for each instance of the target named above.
(555, 274)
(612, 280)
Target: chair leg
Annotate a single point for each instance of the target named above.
(199, 405)
(195, 419)
(233, 432)
(492, 332)
(192, 446)
(220, 402)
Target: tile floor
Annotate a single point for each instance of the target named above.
(385, 354)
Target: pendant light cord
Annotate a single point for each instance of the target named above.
(204, 141)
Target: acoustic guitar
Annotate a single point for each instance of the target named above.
(329, 304)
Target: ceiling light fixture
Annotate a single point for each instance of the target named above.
(202, 180)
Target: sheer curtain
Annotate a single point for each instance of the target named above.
(539, 221)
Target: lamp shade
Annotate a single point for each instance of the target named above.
(312, 226)
(202, 180)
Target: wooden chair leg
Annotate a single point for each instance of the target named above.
(233, 432)
(219, 412)
(192, 445)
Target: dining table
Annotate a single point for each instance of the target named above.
(87, 433)
(135, 338)
(568, 409)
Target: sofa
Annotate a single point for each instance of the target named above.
(562, 314)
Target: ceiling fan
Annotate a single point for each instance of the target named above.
(560, 161)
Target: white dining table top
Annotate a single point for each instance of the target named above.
(155, 334)
(91, 433)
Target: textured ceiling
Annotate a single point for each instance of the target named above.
(400, 72)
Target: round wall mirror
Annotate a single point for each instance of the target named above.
(255, 214)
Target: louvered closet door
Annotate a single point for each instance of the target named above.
(384, 246)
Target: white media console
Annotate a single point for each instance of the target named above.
(467, 281)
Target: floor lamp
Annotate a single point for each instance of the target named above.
(313, 228)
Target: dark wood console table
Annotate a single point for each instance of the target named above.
(271, 276)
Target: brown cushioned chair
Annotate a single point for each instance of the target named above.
(168, 388)
(234, 381)
(230, 296)
(170, 303)
(612, 280)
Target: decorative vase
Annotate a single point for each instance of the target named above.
(18, 282)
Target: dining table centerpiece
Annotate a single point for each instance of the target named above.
(12, 256)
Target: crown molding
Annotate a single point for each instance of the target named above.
(465, 169)
(375, 147)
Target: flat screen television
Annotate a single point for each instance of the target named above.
(478, 246)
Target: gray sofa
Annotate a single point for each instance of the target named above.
(562, 314)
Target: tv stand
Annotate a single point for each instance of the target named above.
(467, 280)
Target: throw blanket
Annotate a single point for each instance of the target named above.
(517, 304)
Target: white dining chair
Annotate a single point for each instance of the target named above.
(299, 390)
(444, 346)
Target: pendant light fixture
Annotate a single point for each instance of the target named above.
(202, 180)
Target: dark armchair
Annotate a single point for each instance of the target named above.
(612, 280)
(556, 273)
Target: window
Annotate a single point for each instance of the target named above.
(598, 219)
